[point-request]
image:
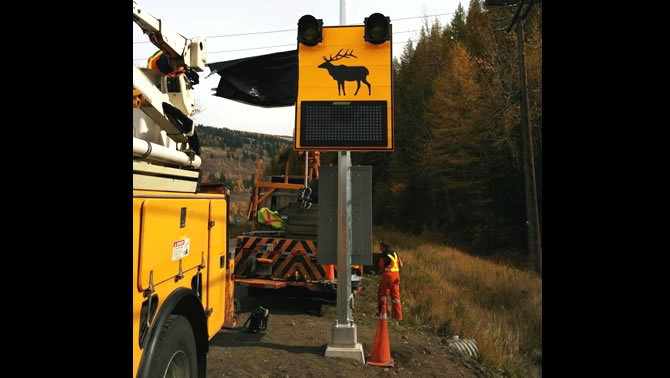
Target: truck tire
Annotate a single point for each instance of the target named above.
(176, 355)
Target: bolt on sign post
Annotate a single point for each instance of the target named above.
(345, 94)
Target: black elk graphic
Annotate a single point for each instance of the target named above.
(344, 73)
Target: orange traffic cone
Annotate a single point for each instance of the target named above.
(381, 350)
(330, 272)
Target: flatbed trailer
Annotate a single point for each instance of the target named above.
(275, 262)
(285, 260)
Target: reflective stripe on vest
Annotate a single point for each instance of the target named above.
(152, 62)
(394, 263)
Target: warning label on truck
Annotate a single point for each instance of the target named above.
(180, 249)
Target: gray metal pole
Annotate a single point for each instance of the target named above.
(344, 238)
(344, 8)
(344, 317)
(344, 339)
(306, 167)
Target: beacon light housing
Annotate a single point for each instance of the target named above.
(310, 30)
(377, 28)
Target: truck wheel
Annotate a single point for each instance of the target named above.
(176, 351)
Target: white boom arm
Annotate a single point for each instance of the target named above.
(162, 116)
(191, 52)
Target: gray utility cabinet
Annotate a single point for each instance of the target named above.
(361, 215)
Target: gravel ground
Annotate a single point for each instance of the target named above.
(295, 342)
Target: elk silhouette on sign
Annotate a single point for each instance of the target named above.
(344, 73)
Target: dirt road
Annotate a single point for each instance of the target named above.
(295, 342)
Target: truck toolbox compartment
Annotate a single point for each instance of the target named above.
(173, 238)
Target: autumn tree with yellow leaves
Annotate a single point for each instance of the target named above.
(457, 164)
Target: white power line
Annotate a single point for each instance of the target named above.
(294, 29)
(269, 47)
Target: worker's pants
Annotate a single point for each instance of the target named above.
(390, 285)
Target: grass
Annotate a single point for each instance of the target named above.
(453, 293)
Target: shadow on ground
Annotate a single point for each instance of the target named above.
(236, 338)
(280, 303)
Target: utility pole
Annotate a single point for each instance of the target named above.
(532, 212)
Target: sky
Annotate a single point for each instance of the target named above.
(216, 18)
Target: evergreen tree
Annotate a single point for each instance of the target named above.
(456, 165)
(456, 30)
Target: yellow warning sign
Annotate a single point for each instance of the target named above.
(344, 93)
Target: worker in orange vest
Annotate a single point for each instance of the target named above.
(390, 265)
(160, 62)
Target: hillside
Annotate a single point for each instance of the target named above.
(449, 292)
(231, 157)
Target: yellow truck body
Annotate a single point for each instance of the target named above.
(181, 268)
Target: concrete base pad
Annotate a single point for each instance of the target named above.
(355, 352)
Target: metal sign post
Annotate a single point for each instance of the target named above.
(344, 339)
(344, 240)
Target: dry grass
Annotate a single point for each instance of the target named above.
(453, 293)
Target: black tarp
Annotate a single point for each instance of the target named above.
(269, 80)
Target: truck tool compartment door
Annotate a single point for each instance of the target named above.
(173, 231)
(216, 263)
(137, 294)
